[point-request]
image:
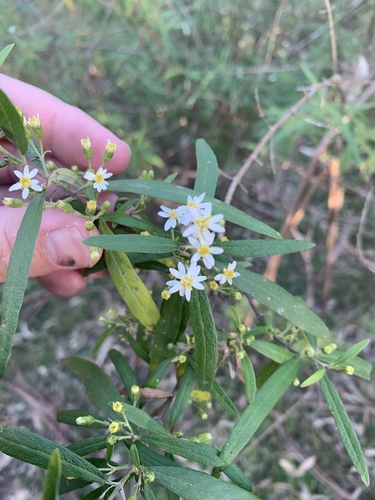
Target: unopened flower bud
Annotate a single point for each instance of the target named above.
(87, 148)
(205, 437)
(296, 382)
(203, 415)
(89, 225)
(85, 420)
(182, 358)
(309, 353)
(114, 427)
(105, 206)
(241, 354)
(65, 207)
(179, 434)
(165, 295)
(149, 477)
(213, 285)
(95, 255)
(36, 127)
(109, 151)
(111, 439)
(194, 439)
(242, 329)
(74, 169)
(51, 166)
(349, 370)
(135, 392)
(249, 340)
(117, 406)
(91, 207)
(150, 175)
(329, 348)
(12, 202)
(144, 175)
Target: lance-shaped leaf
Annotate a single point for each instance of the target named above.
(182, 397)
(130, 286)
(249, 378)
(272, 351)
(5, 53)
(263, 248)
(123, 368)
(315, 377)
(52, 481)
(207, 171)
(265, 399)
(17, 276)
(37, 450)
(204, 331)
(11, 123)
(352, 352)
(134, 243)
(279, 300)
(345, 428)
(178, 194)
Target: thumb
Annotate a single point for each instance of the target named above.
(59, 244)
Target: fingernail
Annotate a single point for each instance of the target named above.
(65, 248)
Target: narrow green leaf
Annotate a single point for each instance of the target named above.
(134, 243)
(272, 351)
(263, 248)
(89, 445)
(195, 485)
(17, 276)
(249, 378)
(204, 331)
(5, 53)
(178, 194)
(103, 393)
(147, 492)
(265, 399)
(53, 477)
(130, 286)
(160, 372)
(36, 450)
(196, 452)
(218, 393)
(125, 371)
(182, 397)
(315, 377)
(352, 352)
(207, 170)
(11, 123)
(362, 367)
(107, 333)
(345, 428)
(279, 300)
(166, 331)
(97, 493)
(236, 475)
(130, 221)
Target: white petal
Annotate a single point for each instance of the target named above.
(33, 173)
(15, 187)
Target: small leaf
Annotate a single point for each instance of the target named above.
(279, 300)
(52, 482)
(130, 221)
(265, 399)
(130, 286)
(315, 377)
(147, 492)
(248, 378)
(37, 450)
(362, 367)
(236, 475)
(207, 170)
(182, 397)
(272, 351)
(196, 452)
(5, 53)
(263, 248)
(204, 331)
(351, 352)
(125, 371)
(134, 243)
(17, 276)
(223, 399)
(161, 371)
(11, 123)
(178, 194)
(345, 428)
(89, 445)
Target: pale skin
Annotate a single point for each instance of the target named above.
(59, 255)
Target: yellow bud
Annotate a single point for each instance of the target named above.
(91, 207)
(165, 295)
(114, 427)
(329, 348)
(109, 151)
(87, 148)
(135, 390)
(213, 285)
(349, 370)
(95, 255)
(89, 225)
(36, 127)
(117, 406)
(182, 358)
(296, 382)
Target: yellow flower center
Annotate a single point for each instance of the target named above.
(204, 250)
(228, 273)
(172, 215)
(99, 178)
(192, 204)
(25, 182)
(202, 222)
(187, 282)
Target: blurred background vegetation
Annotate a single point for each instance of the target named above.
(163, 73)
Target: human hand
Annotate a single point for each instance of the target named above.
(59, 254)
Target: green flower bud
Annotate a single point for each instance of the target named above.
(135, 392)
(87, 148)
(12, 202)
(109, 151)
(89, 225)
(65, 207)
(329, 348)
(150, 175)
(85, 420)
(205, 437)
(112, 439)
(36, 127)
(149, 477)
(105, 206)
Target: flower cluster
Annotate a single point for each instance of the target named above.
(199, 227)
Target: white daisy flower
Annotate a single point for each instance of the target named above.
(100, 184)
(193, 208)
(203, 224)
(171, 215)
(26, 181)
(204, 250)
(228, 274)
(187, 279)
